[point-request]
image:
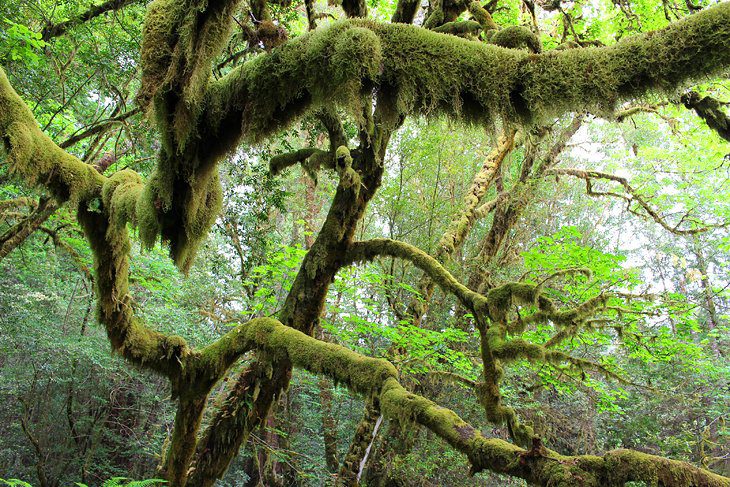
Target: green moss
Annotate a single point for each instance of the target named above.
(35, 158)
(119, 196)
(128, 335)
(482, 16)
(333, 64)
(379, 247)
(363, 375)
(434, 74)
(501, 299)
(517, 37)
(463, 28)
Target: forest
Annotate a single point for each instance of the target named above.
(365, 243)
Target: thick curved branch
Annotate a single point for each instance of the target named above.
(378, 377)
(631, 196)
(384, 247)
(34, 156)
(435, 73)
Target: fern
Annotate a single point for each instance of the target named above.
(14, 483)
(124, 482)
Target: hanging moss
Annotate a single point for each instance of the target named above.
(332, 64)
(180, 43)
(434, 74)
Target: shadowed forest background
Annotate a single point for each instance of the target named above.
(552, 265)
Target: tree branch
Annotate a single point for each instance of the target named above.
(378, 377)
(55, 30)
(633, 197)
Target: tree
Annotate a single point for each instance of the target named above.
(377, 74)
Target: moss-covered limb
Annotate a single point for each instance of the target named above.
(482, 15)
(461, 224)
(127, 334)
(16, 235)
(204, 367)
(278, 163)
(182, 445)
(373, 376)
(516, 37)
(710, 110)
(18, 203)
(384, 247)
(54, 30)
(34, 157)
(361, 374)
(508, 210)
(622, 466)
(632, 110)
(461, 28)
(231, 424)
(180, 42)
(333, 125)
(325, 67)
(453, 378)
(256, 390)
(405, 11)
(489, 206)
(632, 197)
(436, 73)
(484, 454)
(488, 390)
(357, 454)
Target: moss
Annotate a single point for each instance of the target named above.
(370, 249)
(481, 15)
(333, 64)
(516, 37)
(180, 43)
(128, 335)
(710, 110)
(599, 77)
(463, 28)
(501, 299)
(35, 158)
(625, 465)
(433, 74)
(363, 375)
(119, 196)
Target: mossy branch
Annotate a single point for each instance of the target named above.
(377, 377)
(384, 247)
(54, 30)
(432, 73)
(710, 110)
(34, 157)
